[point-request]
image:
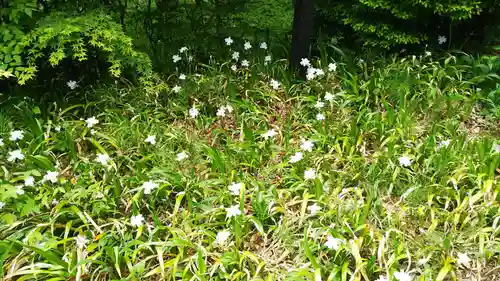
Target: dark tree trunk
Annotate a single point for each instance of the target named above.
(302, 33)
(123, 10)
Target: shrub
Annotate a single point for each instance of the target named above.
(47, 39)
(386, 23)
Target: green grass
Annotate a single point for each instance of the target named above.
(379, 216)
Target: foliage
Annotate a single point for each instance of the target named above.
(385, 24)
(62, 36)
(275, 15)
(163, 29)
(378, 215)
(56, 36)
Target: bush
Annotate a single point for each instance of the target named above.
(386, 23)
(45, 39)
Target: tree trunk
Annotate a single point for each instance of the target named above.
(302, 33)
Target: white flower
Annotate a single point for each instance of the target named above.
(296, 157)
(183, 49)
(233, 67)
(221, 112)
(332, 67)
(136, 220)
(463, 260)
(55, 202)
(442, 40)
(19, 190)
(329, 96)
(309, 174)
(221, 238)
(15, 154)
(81, 241)
(263, 45)
(102, 158)
(235, 188)
(245, 63)
(497, 148)
(422, 261)
(236, 56)
(176, 89)
(92, 132)
(319, 104)
(313, 209)
(274, 84)
(91, 122)
(267, 58)
(229, 41)
(305, 62)
(182, 156)
(50, 176)
(233, 211)
(72, 84)
(29, 181)
(247, 45)
(151, 140)
(382, 278)
(193, 112)
(16, 135)
(176, 58)
(149, 186)
(182, 76)
(313, 73)
(444, 143)
(320, 117)
(306, 145)
(57, 128)
(269, 134)
(1, 142)
(333, 243)
(404, 161)
(2, 204)
(428, 54)
(190, 58)
(402, 276)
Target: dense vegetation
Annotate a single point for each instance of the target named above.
(177, 140)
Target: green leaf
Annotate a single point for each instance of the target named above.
(443, 272)
(257, 224)
(28, 11)
(7, 191)
(307, 249)
(7, 36)
(36, 110)
(29, 206)
(5, 250)
(248, 133)
(42, 162)
(51, 256)
(8, 218)
(7, 58)
(202, 267)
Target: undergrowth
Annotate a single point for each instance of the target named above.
(384, 170)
